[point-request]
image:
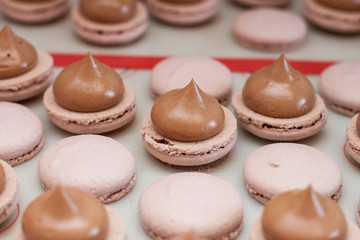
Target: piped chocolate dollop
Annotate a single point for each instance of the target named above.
(347, 5)
(108, 11)
(303, 215)
(17, 56)
(187, 114)
(65, 213)
(279, 91)
(88, 86)
(2, 178)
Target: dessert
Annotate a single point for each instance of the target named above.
(279, 103)
(208, 206)
(89, 97)
(110, 22)
(269, 29)
(67, 213)
(21, 131)
(280, 167)
(262, 3)
(24, 71)
(92, 163)
(9, 191)
(302, 215)
(338, 85)
(213, 77)
(187, 127)
(352, 141)
(333, 15)
(183, 12)
(34, 11)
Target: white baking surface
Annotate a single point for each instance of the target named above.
(214, 39)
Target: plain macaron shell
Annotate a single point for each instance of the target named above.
(183, 14)
(280, 167)
(199, 202)
(256, 233)
(21, 133)
(352, 141)
(339, 87)
(213, 77)
(10, 195)
(270, 29)
(92, 163)
(116, 228)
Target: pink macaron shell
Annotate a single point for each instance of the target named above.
(183, 14)
(280, 129)
(108, 34)
(331, 19)
(92, 163)
(116, 228)
(213, 77)
(10, 195)
(34, 12)
(338, 86)
(256, 232)
(21, 133)
(352, 142)
(182, 202)
(280, 167)
(258, 3)
(270, 29)
(190, 153)
(96, 122)
(30, 83)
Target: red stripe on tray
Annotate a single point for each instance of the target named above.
(148, 62)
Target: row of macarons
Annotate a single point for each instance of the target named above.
(113, 22)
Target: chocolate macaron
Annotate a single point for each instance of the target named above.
(263, 3)
(279, 103)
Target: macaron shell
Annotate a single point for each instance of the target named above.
(258, 3)
(30, 83)
(270, 29)
(280, 167)
(190, 153)
(107, 34)
(21, 133)
(92, 163)
(97, 122)
(116, 229)
(256, 233)
(338, 86)
(352, 142)
(180, 202)
(183, 14)
(10, 195)
(34, 13)
(213, 77)
(331, 19)
(280, 129)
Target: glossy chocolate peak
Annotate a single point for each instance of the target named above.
(17, 56)
(279, 91)
(2, 178)
(88, 86)
(187, 114)
(181, 1)
(65, 213)
(348, 5)
(108, 11)
(303, 215)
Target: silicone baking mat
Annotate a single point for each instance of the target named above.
(134, 62)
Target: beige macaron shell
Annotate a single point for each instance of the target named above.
(280, 129)
(116, 228)
(352, 142)
(190, 153)
(10, 195)
(280, 167)
(108, 34)
(178, 203)
(21, 133)
(213, 77)
(92, 163)
(96, 122)
(30, 83)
